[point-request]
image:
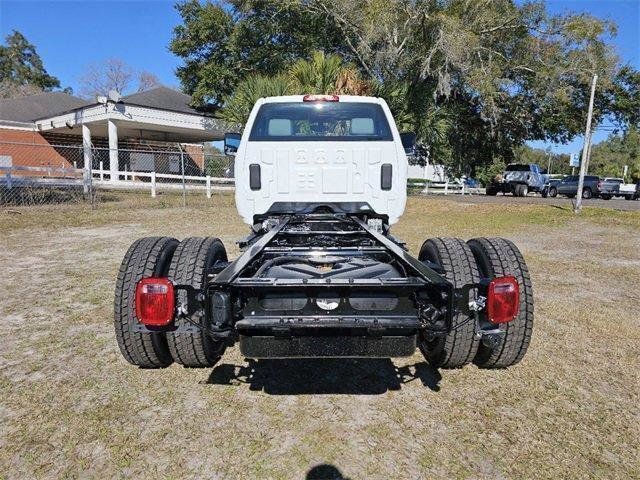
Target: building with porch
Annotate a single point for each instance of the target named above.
(123, 133)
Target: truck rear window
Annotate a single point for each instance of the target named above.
(320, 121)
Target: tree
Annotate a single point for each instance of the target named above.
(558, 163)
(115, 74)
(326, 74)
(239, 105)
(609, 157)
(147, 81)
(21, 69)
(474, 78)
(505, 73)
(9, 89)
(221, 44)
(488, 173)
(624, 95)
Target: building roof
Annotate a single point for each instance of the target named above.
(163, 98)
(50, 104)
(41, 105)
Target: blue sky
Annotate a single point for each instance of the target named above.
(70, 35)
(626, 14)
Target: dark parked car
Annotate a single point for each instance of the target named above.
(550, 187)
(568, 186)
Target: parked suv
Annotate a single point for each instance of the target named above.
(569, 186)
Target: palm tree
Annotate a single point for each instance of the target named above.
(326, 74)
(322, 74)
(238, 106)
(419, 114)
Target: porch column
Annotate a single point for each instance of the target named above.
(86, 153)
(113, 150)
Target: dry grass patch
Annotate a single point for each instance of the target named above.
(71, 406)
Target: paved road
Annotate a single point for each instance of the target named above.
(614, 203)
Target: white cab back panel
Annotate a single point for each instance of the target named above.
(321, 171)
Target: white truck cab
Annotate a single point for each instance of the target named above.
(300, 153)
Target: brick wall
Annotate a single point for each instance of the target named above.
(30, 149)
(196, 153)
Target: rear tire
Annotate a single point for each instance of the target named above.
(497, 257)
(147, 257)
(553, 192)
(191, 265)
(460, 345)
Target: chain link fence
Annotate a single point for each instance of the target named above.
(40, 173)
(34, 173)
(186, 169)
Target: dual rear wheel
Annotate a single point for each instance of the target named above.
(463, 263)
(520, 190)
(185, 263)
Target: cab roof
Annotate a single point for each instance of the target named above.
(341, 98)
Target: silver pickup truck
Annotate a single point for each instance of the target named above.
(615, 187)
(518, 179)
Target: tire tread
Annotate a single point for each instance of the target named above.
(189, 267)
(146, 257)
(459, 266)
(499, 256)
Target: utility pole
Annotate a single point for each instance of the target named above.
(586, 169)
(585, 147)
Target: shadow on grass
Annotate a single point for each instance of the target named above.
(561, 207)
(325, 471)
(324, 376)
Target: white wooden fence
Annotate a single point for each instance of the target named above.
(19, 176)
(40, 175)
(22, 176)
(444, 188)
(175, 182)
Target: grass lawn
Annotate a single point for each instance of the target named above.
(70, 406)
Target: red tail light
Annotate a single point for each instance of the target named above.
(599, 185)
(321, 98)
(155, 301)
(503, 299)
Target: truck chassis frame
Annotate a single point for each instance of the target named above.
(421, 305)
